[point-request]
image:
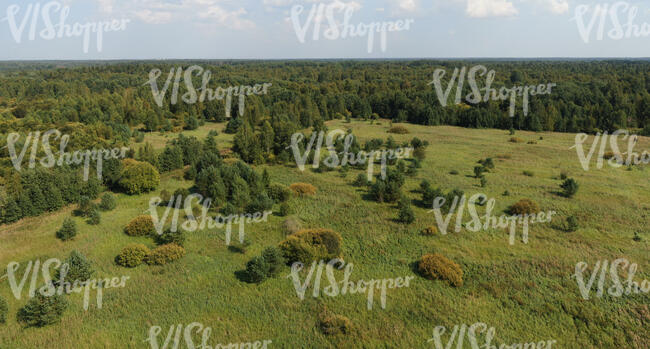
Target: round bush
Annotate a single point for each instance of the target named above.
(400, 130)
(436, 266)
(132, 255)
(108, 202)
(303, 189)
(516, 140)
(331, 324)
(312, 245)
(169, 237)
(140, 226)
(285, 209)
(279, 193)
(41, 311)
(430, 231)
(138, 177)
(524, 206)
(165, 254)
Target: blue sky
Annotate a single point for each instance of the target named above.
(264, 29)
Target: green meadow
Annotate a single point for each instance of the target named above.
(524, 291)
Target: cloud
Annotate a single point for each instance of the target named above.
(490, 8)
(201, 12)
(557, 7)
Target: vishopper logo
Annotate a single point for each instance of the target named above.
(348, 158)
(473, 333)
(617, 289)
(76, 158)
(621, 17)
(337, 29)
(346, 286)
(60, 286)
(486, 221)
(204, 220)
(615, 156)
(178, 332)
(207, 94)
(476, 96)
(61, 29)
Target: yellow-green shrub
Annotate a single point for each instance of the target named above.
(132, 255)
(140, 226)
(401, 130)
(312, 245)
(437, 266)
(165, 254)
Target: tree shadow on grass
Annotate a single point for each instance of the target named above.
(243, 276)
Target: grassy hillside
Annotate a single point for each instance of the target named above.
(525, 290)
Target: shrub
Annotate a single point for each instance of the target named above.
(165, 254)
(512, 131)
(419, 153)
(257, 269)
(273, 256)
(312, 245)
(331, 324)
(84, 207)
(488, 163)
(406, 214)
(78, 268)
(94, 218)
(285, 209)
(291, 225)
(516, 140)
(430, 231)
(637, 237)
(132, 255)
(453, 172)
(108, 202)
(569, 187)
(41, 310)
(400, 130)
(478, 171)
(506, 193)
(165, 196)
(609, 155)
(529, 173)
(261, 203)
(361, 180)
(3, 310)
(140, 226)
(564, 175)
(138, 177)
(279, 193)
(571, 224)
(169, 237)
(303, 189)
(68, 230)
(524, 206)
(437, 266)
(532, 142)
(483, 181)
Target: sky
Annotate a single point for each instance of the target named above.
(291, 29)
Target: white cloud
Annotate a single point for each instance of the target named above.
(490, 8)
(200, 12)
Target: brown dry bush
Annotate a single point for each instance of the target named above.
(524, 206)
(303, 189)
(437, 266)
(165, 254)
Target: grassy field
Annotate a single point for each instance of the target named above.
(525, 291)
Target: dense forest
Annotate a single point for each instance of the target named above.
(105, 105)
